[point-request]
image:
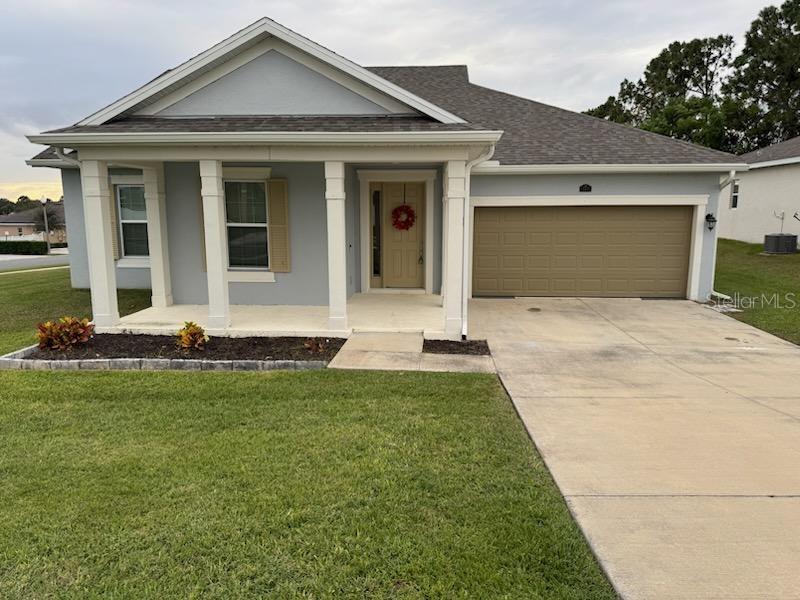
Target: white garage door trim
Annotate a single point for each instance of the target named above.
(699, 201)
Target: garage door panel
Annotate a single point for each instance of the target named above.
(591, 251)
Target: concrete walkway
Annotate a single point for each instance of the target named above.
(403, 352)
(672, 431)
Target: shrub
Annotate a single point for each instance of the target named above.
(315, 345)
(192, 337)
(64, 334)
(22, 247)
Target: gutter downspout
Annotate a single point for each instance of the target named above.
(729, 180)
(467, 259)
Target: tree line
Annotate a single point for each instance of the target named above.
(700, 92)
(23, 203)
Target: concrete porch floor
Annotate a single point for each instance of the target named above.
(385, 312)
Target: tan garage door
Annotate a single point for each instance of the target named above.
(582, 251)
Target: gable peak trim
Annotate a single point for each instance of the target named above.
(250, 34)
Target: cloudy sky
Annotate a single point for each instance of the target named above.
(62, 59)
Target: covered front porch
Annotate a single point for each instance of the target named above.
(366, 312)
(324, 284)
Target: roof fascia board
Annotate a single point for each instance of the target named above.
(300, 137)
(775, 163)
(260, 27)
(606, 168)
(49, 162)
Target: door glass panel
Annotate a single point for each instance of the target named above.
(376, 233)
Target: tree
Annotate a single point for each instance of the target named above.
(25, 203)
(55, 220)
(766, 84)
(680, 93)
(6, 206)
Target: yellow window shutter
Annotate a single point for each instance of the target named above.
(278, 200)
(115, 243)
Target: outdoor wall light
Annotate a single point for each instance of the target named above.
(585, 188)
(711, 221)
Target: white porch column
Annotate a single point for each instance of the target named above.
(155, 200)
(454, 223)
(216, 243)
(337, 245)
(97, 214)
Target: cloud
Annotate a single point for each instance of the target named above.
(60, 61)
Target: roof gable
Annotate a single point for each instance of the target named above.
(247, 41)
(278, 81)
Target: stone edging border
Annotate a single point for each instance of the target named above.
(17, 361)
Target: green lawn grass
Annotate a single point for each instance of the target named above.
(325, 484)
(29, 298)
(742, 270)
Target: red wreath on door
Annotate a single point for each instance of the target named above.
(403, 217)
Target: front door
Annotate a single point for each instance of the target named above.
(403, 251)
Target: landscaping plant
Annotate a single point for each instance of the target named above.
(192, 337)
(64, 334)
(315, 346)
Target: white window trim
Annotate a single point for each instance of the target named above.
(122, 252)
(248, 175)
(134, 262)
(735, 193)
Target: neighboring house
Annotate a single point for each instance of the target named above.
(270, 185)
(770, 187)
(25, 225)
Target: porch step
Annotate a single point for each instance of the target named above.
(402, 352)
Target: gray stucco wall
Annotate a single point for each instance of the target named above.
(618, 184)
(273, 84)
(127, 278)
(306, 284)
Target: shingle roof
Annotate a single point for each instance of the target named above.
(788, 149)
(48, 153)
(269, 123)
(537, 133)
(534, 133)
(32, 215)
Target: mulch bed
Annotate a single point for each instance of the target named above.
(473, 347)
(128, 345)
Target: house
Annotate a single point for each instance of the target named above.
(26, 224)
(770, 188)
(269, 185)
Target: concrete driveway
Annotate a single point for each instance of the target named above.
(673, 432)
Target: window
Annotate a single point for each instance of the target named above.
(735, 194)
(132, 220)
(246, 219)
